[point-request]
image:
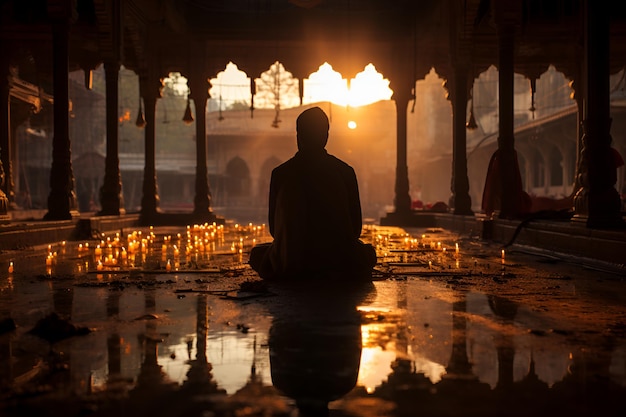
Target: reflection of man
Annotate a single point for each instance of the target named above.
(314, 211)
(315, 353)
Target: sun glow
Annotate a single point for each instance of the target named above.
(367, 87)
(231, 87)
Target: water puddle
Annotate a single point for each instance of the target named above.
(204, 336)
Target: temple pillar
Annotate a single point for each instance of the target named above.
(111, 199)
(199, 94)
(597, 202)
(460, 199)
(62, 204)
(509, 169)
(150, 91)
(5, 136)
(402, 199)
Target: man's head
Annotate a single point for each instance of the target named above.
(312, 129)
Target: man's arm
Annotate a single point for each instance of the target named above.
(272, 201)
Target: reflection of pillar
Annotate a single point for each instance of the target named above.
(62, 199)
(460, 198)
(507, 310)
(151, 374)
(459, 364)
(597, 203)
(150, 198)
(111, 198)
(199, 94)
(199, 377)
(6, 324)
(459, 382)
(114, 341)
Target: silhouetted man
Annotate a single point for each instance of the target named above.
(314, 212)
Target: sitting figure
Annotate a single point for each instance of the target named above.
(314, 212)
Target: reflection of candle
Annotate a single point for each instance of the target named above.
(11, 267)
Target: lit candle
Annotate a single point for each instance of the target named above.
(49, 260)
(502, 255)
(168, 266)
(11, 267)
(99, 267)
(456, 248)
(98, 251)
(430, 264)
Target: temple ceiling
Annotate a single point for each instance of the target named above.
(404, 39)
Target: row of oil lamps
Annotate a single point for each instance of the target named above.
(110, 252)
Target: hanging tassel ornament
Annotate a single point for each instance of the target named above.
(188, 117)
(471, 123)
(141, 120)
(533, 90)
(252, 93)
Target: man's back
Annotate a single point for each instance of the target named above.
(315, 213)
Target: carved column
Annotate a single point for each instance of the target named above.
(150, 91)
(5, 135)
(597, 203)
(111, 199)
(62, 198)
(402, 199)
(199, 94)
(509, 170)
(402, 76)
(460, 198)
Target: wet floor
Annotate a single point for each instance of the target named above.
(172, 322)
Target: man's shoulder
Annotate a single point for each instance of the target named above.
(285, 166)
(340, 162)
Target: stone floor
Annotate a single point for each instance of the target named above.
(172, 322)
